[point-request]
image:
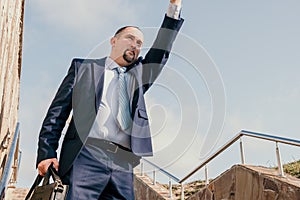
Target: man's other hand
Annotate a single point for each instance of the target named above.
(44, 165)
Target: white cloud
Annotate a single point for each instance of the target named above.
(83, 17)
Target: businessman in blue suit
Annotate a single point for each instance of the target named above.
(109, 129)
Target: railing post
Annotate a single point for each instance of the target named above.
(182, 191)
(242, 151)
(142, 168)
(154, 177)
(206, 176)
(280, 168)
(170, 188)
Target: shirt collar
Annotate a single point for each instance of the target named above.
(110, 64)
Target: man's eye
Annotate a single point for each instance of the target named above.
(130, 37)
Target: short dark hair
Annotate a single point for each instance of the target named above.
(120, 30)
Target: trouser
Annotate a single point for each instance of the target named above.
(98, 174)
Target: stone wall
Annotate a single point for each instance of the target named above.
(11, 34)
(145, 190)
(249, 183)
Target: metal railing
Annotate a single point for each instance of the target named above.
(10, 160)
(239, 136)
(157, 168)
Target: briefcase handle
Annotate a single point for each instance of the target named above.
(51, 172)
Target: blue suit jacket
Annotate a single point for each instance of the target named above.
(81, 92)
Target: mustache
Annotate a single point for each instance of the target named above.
(131, 50)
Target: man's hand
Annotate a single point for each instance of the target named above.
(44, 165)
(176, 2)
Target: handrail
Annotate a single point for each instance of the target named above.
(7, 168)
(162, 170)
(271, 138)
(243, 133)
(224, 147)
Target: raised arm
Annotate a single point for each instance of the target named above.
(158, 55)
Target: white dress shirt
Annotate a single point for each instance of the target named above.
(106, 125)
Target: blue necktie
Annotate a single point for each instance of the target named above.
(123, 116)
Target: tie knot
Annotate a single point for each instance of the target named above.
(121, 70)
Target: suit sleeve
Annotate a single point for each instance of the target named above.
(56, 117)
(158, 55)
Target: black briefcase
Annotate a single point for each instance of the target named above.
(47, 191)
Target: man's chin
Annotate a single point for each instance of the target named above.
(129, 59)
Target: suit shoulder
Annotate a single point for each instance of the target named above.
(82, 61)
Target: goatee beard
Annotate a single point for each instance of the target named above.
(128, 59)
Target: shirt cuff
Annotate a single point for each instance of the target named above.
(174, 11)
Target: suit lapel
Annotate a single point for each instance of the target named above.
(136, 74)
(98, 69)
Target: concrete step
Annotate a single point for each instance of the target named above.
(16, 193)
(144, 189)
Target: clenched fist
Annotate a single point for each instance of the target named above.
(44, 165)
(176, 2)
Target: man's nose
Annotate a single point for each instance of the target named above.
(134, 45)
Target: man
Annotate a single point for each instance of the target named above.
(109, 130)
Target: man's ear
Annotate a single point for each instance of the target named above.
(113, 41)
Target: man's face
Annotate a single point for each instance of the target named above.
(126, 45)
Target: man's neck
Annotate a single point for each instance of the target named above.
(119, 60)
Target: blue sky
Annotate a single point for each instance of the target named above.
(244, 52)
